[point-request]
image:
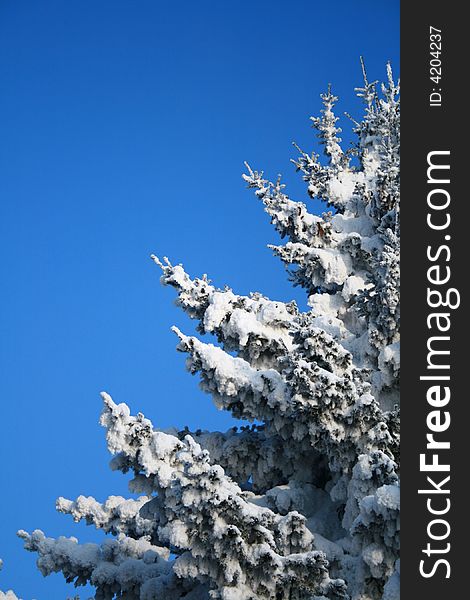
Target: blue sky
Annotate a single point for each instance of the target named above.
(124, 127)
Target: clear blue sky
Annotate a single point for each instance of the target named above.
(124, 127)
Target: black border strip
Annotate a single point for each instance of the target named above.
(430, 127)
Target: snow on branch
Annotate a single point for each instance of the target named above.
(117, 566)
(255, 327)
(289, 218)
(117, 515)
(226, 539)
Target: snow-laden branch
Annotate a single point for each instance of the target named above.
(237, 545)
(117, 515)
(328, 131)
(118, 566)
(258, 459)
(255, 327)
(304, 400)
(290, 218)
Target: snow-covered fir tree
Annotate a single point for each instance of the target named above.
(304, 506)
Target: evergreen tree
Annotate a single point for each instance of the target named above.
(304, 506)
